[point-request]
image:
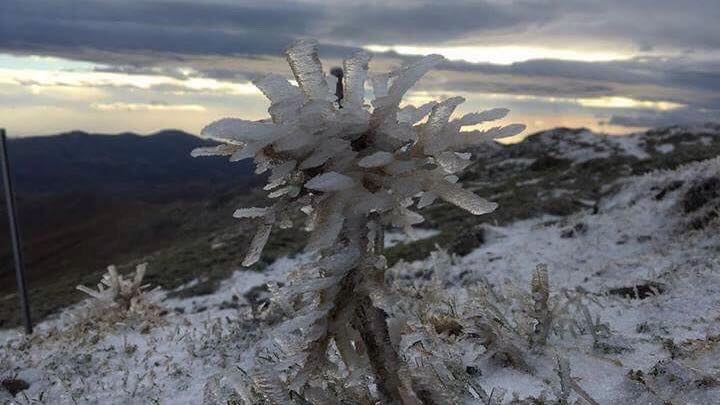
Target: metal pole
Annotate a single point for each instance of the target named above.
(15, 234)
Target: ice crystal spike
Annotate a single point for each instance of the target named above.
(280, 172)
(452, 162)
(326, 151)
(406, 77)
(439, 117)
(276, 88)
(506, 131)
(219, 150)
(478, 118)
(355, 72)
(259, 240)
(284, 97)
(380, 84)
(412, 114)
(253, 212)
(239, 131)
(330, 181)
(426, 199)
(464, 199)
(432, 135)
(327, 233)
(305, 64)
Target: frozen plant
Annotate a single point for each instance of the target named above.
(118, 298)
(352, 169)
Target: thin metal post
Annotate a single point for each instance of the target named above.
(15, 234)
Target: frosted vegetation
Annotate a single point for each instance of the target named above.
(350, 167)
(616, 304)
(625, 312)
(122, 300)
(352, 170)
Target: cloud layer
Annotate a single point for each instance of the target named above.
(654, 53)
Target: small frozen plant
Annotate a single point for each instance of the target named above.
(351, 169)
(118, 298)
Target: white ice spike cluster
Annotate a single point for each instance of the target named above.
(118, 299)
(339, 160)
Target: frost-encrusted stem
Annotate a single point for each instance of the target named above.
(354, 301)
(540, 290)
(371, 322)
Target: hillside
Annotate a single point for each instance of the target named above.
(633, 277)
(153, 167)
(557, 172)
(87, 200)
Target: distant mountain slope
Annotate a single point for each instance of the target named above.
(154, 166)
(558, 172)
(144, 198)
(87, 200)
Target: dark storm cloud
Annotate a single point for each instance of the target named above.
(420, 22)
(683, 116)
(132, 36)
(663, 71)
(159, 36)
(173, 27)
(251, 28)
(648, 24)
(677, 80)
(265, 27)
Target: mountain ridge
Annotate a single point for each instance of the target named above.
(124, 164)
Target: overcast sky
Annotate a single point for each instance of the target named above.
(126, 65)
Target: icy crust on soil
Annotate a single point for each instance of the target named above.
(663, 342)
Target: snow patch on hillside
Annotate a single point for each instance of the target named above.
(652, 279)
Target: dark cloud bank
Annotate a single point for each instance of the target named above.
(143, 34)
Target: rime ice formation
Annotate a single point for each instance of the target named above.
(347, 160)
(119, 299)
(353, 169)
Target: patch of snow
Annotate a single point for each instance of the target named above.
(634, 238)
(583, 146)
(665, 148)
(629, 145)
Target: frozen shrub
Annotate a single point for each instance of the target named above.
(450, 332)
(352, 169)
(118, 299)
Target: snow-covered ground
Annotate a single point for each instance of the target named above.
(639, 237)
(643, 269)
